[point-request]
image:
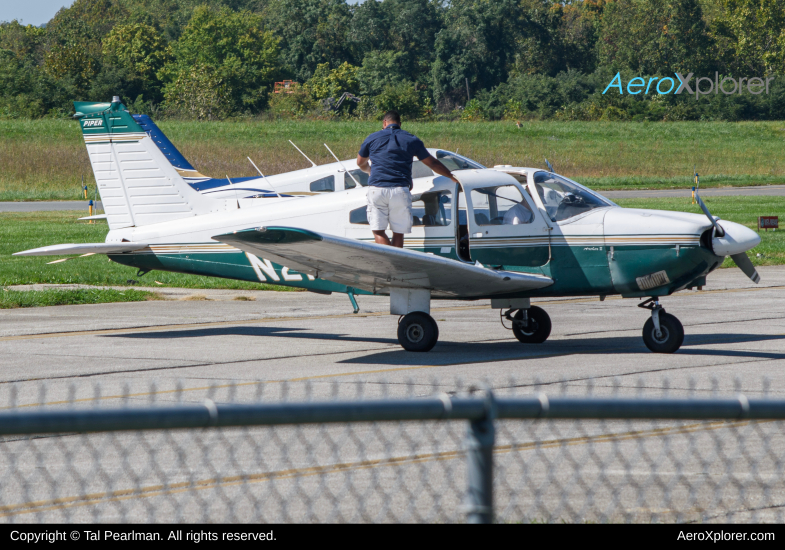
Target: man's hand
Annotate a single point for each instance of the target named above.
(437, 166)
(362, 164)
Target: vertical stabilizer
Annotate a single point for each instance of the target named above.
(138, 183)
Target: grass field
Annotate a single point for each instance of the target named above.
(11, 299)
(45, 159)
(22, 231)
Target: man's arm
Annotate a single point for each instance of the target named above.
(437, 166)
(362, 164)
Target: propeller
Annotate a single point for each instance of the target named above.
(549, 165)
(741, 259)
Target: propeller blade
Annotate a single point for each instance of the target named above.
(59, 261)
(719, 230)
(746, 266)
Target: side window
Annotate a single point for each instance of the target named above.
(359, 175)
(501, 205)
(359, 216)
(433, 209)
(323, 185)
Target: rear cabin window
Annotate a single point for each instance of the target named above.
(431, 210)
(323, 185)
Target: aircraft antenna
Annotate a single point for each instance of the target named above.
(342, 166)
(265, 177)
(303, 154)
(235, 193)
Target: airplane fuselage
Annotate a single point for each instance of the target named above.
(607, 250)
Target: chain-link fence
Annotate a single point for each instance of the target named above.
(390, 452)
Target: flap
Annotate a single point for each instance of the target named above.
(84, 248)
(377, 268)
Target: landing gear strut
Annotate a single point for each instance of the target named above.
(531, 325)
(662, 332)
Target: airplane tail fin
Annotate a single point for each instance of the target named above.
(142, 178)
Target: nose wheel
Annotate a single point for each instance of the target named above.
(531, 325)
(662, 332)
(417, 331)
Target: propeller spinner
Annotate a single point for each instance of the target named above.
(733, 240)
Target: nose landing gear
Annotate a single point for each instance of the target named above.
(531, 325)
(662, 332)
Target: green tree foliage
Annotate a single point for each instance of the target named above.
(381, 69)
(655, 37)
(402, 97)
(327, 82)
(407, 27)
(138, 48)
(522, 58)
(199, 92)
(312, 32)
(752, 33)
(228, 49)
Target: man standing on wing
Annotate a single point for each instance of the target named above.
(391, 152)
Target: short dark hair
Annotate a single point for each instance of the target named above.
(393, 117)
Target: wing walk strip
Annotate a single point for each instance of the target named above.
(150, 491)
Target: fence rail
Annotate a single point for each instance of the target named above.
(213, 415)
(527, 458)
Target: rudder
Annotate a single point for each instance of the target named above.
(138, 184)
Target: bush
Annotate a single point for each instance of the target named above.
(296, 104)
(200, 93)
(402, 97)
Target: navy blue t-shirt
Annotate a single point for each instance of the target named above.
(391, 151)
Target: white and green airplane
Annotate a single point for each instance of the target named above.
(508, 234)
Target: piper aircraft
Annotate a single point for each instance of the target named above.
(508, 234)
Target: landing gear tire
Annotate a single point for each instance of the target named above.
(537, 329)
(671, 334)
(417, 331)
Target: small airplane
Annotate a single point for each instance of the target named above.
(508, 234)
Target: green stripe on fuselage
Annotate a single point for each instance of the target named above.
(227, 265)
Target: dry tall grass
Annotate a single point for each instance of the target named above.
(46, 159)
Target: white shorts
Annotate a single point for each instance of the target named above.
(390, 206)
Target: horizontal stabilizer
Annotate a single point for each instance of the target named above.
(96, 217)
(377, 268)
(84, 248)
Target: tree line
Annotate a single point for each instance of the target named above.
(437, 59)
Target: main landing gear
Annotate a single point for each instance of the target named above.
(417, 331)
(531, 325)
(662, 332)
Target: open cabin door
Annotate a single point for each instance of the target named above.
(505, 227)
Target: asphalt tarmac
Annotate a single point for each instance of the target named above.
(297, 345)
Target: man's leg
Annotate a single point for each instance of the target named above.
(381, 238)
(400, 213)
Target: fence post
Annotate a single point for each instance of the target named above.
(479, 465)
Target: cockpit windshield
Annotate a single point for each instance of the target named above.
(563, 198)
(454, 161)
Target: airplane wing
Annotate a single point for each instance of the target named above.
(375, 267)
(84, 248)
